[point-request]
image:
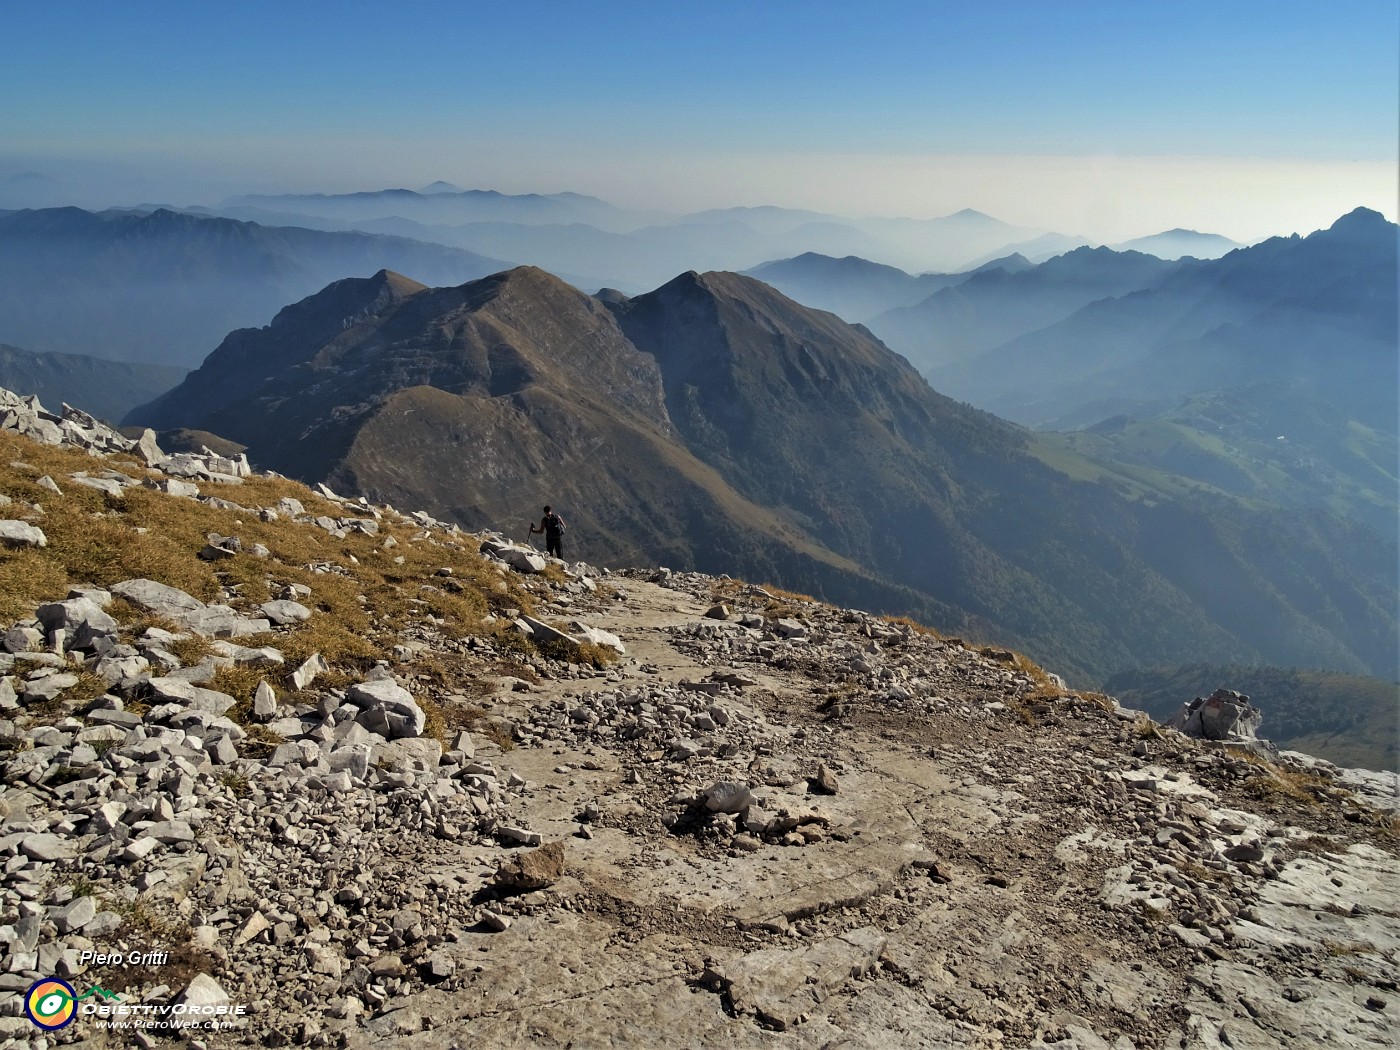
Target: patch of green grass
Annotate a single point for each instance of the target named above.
(83, 888)
(236, 783)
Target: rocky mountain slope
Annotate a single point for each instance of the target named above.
(715, 424)
(165, 287)
(365, 780)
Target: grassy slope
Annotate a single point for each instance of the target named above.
(101, 540)
(1260, 445)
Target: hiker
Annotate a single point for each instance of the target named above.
(552, 525)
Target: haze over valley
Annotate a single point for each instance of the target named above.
(1160, 377)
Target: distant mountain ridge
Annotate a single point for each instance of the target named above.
(570, 234)
(1175, 244)
(959, 323)
(714, 422)
(107, 389)
(1320, 308)
(166, 287)
(857, 289)
(444, 203)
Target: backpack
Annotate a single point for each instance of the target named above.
(555, 522)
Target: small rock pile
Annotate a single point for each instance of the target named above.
(1225, 715)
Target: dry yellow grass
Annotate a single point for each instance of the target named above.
(1273, 782)
(359, 605)
(913, 625)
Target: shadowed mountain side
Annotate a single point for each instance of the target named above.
(107, 389)
(629, 489)
(802, 412)
(714, 422)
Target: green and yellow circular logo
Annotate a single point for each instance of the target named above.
(51, 1003)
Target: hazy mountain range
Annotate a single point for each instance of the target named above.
(715, 423)
(1229, 494)
(1319, 309)
(165, 287)
(857, 289)
(568, 234)
(1096, 332)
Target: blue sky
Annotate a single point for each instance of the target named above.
(885, 107)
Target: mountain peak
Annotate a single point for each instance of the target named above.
(529, 280)
(1360, 219)
(396, 284)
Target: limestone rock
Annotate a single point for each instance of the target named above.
(203, 991)
(303, 676)
(387, 708)
(534, 870)
(825, 780)
(728, 796)
(283, 612)
(22, 534)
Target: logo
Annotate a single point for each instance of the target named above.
(51, 1003)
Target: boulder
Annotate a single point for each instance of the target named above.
(542, 632)
(825, 781)
(410, 755)
(1224, 715)
(283, 612)
(264, 703)
(22, 534)
(728, 796)
(595, 636)
(387, 708)
(83, 619)
(533, 870)
(169, 602)
(303, 676)
(521, 559)
(205, 993)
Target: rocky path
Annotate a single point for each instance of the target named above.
(770, 823)
(984, 874)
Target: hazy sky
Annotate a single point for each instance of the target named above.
(1110, 119)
